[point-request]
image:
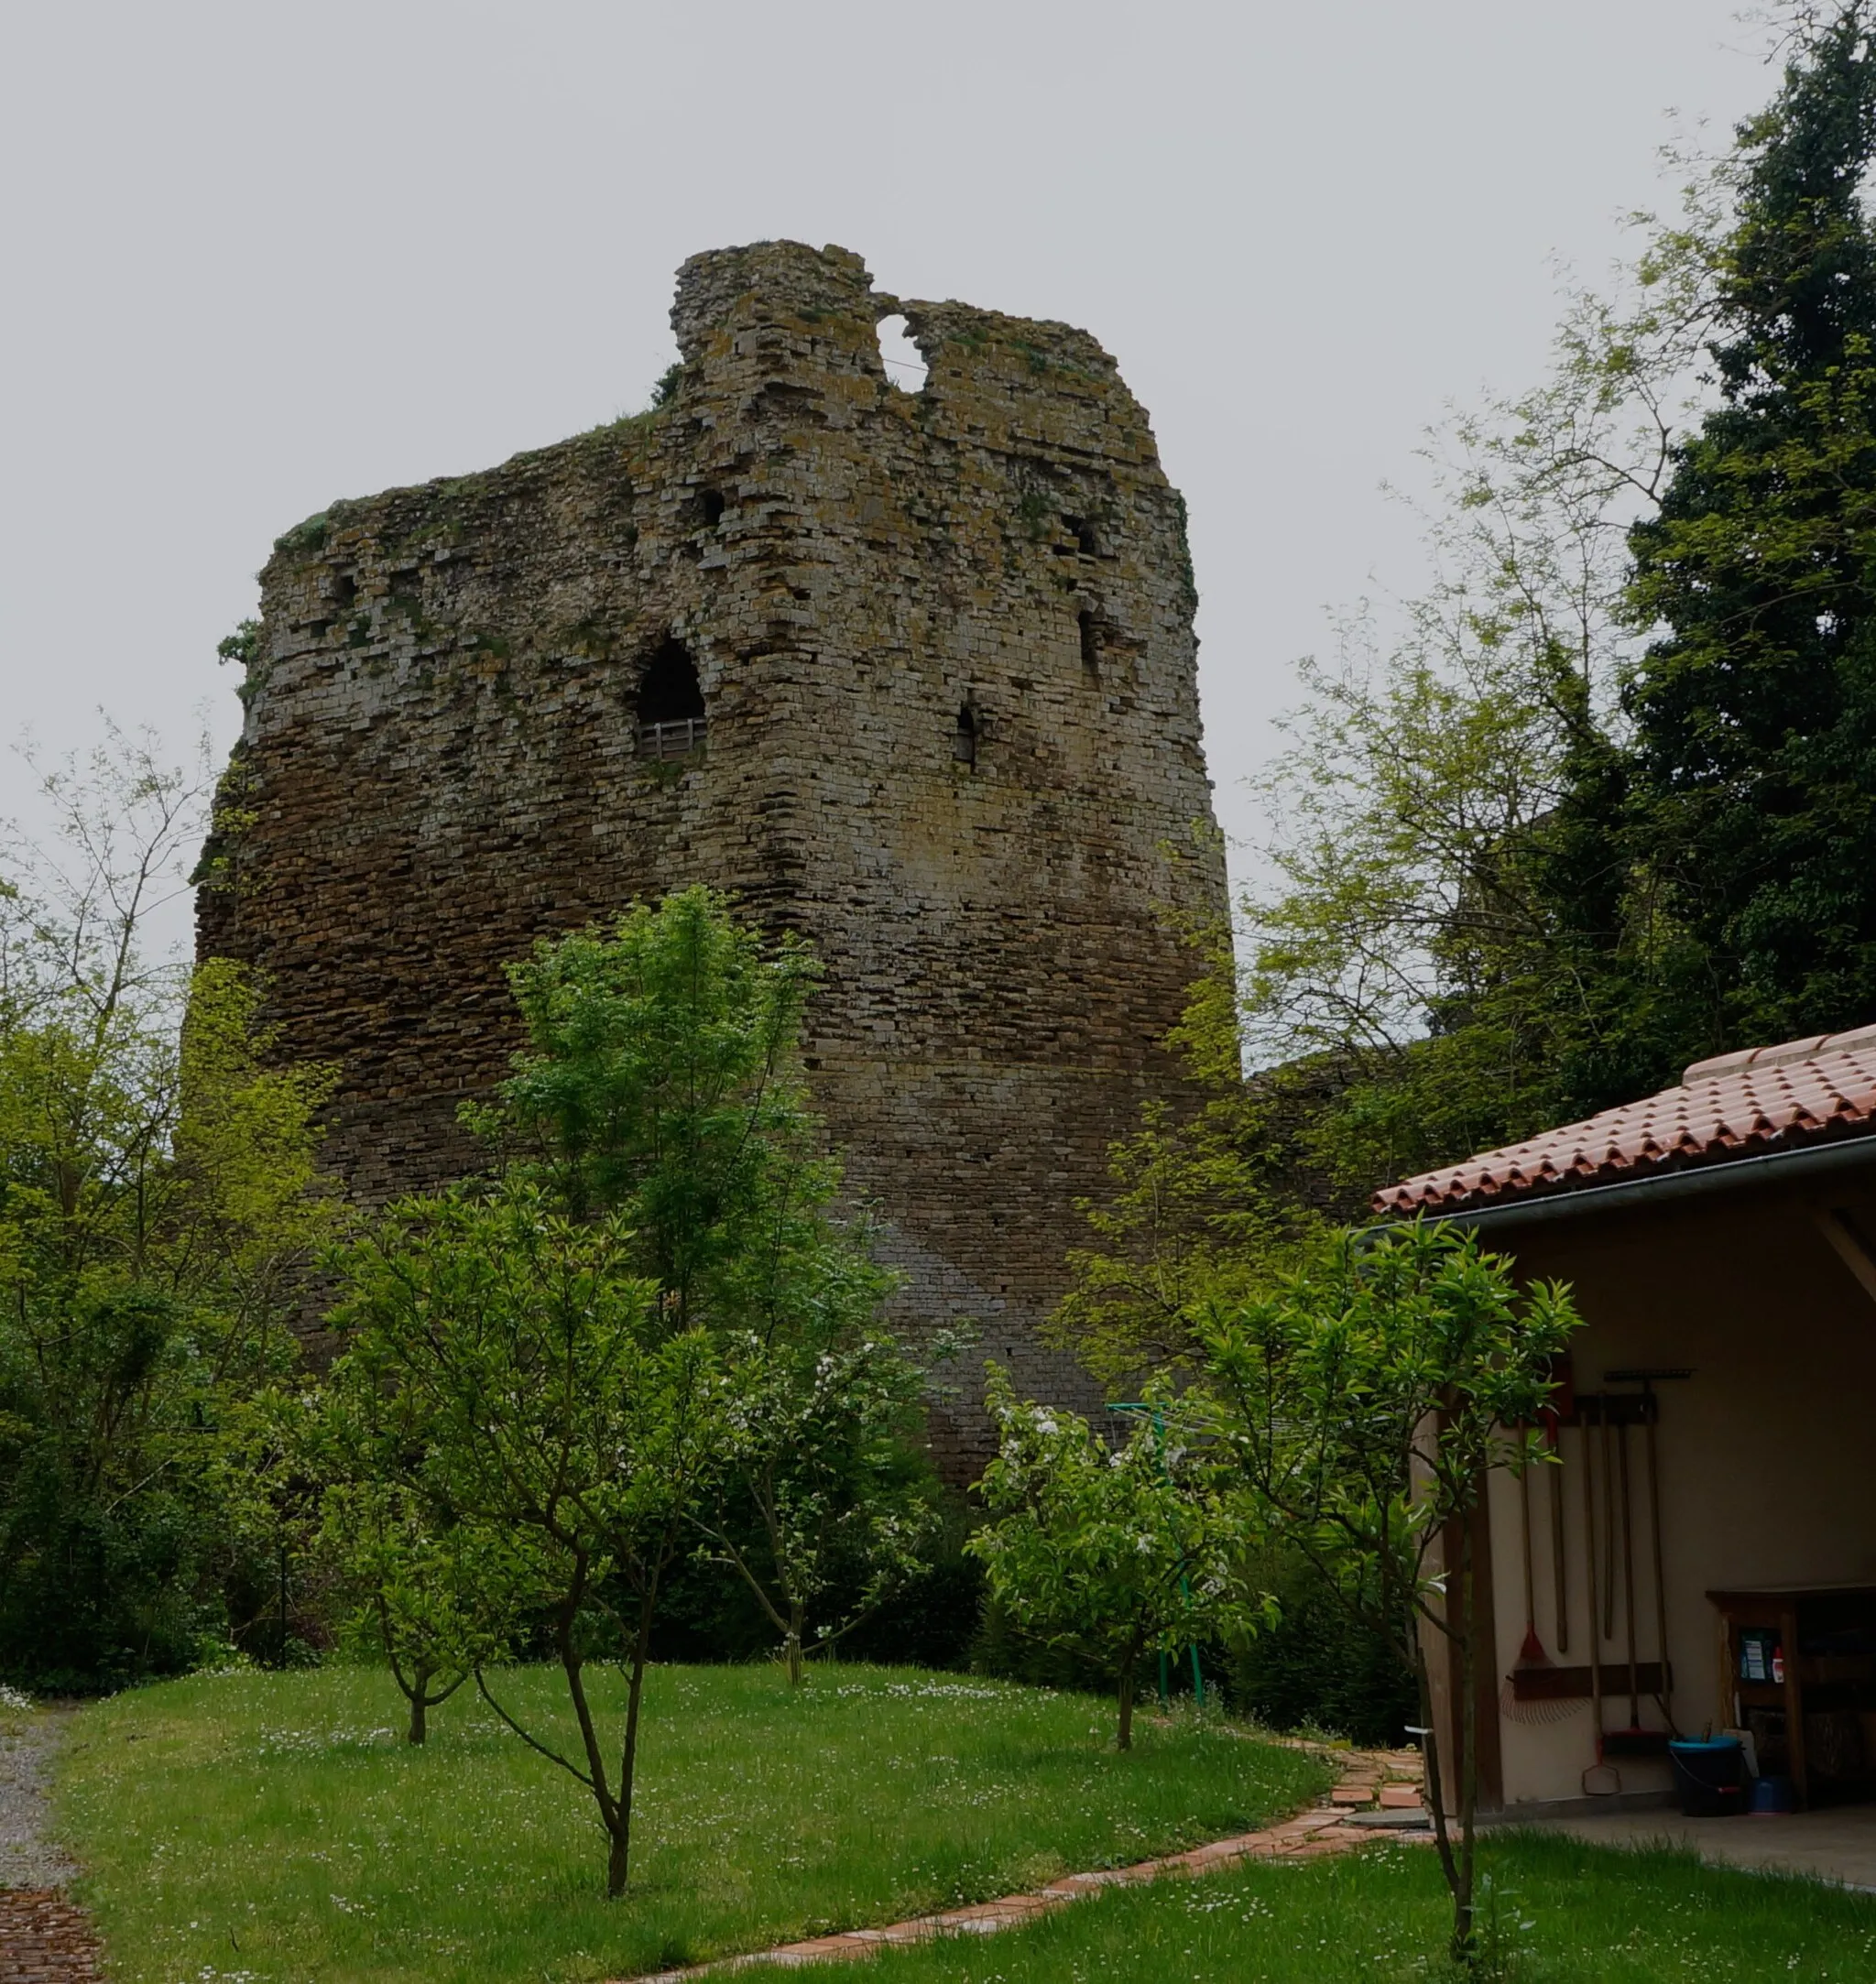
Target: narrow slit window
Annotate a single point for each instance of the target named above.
(1090, 641)
(672, 720)
(963, 743)
(712, 508)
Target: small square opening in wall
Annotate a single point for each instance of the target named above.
(904, 362)
(710, 506)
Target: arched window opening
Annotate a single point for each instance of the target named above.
(963, 744)
(712, 505)
(904, 362)
(671, 722)
(1090, 641)
(1083, 533)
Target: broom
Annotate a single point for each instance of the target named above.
(1529, 1705)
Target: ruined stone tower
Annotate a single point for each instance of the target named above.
(912, 671)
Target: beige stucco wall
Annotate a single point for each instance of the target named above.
(1765, 1451)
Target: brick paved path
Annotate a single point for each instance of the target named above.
(44, 1939)
(1368, 1781)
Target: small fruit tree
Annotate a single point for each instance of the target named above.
(1113, 1553)
(1361, 1404)
(567, 1421)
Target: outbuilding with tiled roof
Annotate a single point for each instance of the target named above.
(1702, 1551)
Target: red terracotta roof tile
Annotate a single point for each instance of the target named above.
(1759, 1100)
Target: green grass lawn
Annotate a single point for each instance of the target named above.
(275, 1828)
(1381, 1916)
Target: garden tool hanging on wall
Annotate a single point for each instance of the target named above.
(1649, 1415)
(1613, 1413)
(1559, 1571)
(1634, 1740)
(1600, 1780)
(1535, 1691)
(1560, 1413)
(1528, 1695)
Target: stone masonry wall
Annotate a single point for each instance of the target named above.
(439, 763)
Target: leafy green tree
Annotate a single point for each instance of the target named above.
(1718, 878)
(823, 1492)
(1114, 1555)
(440, 1598)
(1408, 965)
(571, 1425)
(1204, 1201)
(1362, 1404)
(158, 1203)
(661, 1084)
(420, 1598)
(663, 1087)
(1601, 803)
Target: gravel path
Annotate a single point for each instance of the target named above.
(28, 1858)
(43, 1938)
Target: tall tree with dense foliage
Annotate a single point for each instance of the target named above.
(662, 1085)
(1362, 1404)
(1602, 805)
(1405, 960)
(159, 1205)
(1720, 877)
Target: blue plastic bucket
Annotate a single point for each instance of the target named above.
(1711, 1777)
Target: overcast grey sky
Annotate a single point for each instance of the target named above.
(256, 257)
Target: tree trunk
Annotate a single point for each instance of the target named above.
(619, 1824)
(417, 1693)
(616, 1858)
(1464, 1946)
(1124, 1740)
(1430, 1758)
(791, 1644)
(613, 1817)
